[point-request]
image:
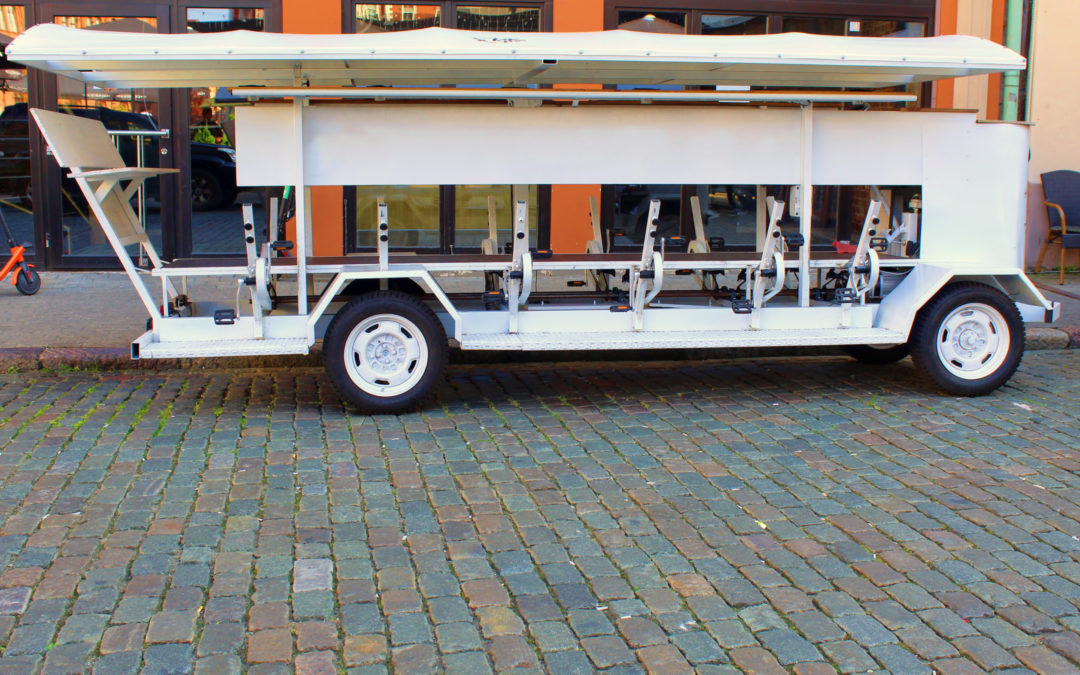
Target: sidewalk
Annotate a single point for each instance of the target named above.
(83, 319)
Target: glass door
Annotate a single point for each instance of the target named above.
(134, 119)
(214, 199)
(16, 192)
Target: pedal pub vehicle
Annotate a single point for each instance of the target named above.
(937, 273)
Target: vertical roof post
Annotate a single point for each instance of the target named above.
(806, 199)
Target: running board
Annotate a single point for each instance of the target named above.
(145, 348)
(680, 340)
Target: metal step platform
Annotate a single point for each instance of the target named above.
(145, 348)
(679, 340)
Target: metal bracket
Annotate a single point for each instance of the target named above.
(384, 237)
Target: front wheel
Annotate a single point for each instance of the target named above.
(28, 281)
(969, 339)
(385, 352)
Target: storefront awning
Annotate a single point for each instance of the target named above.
(438, 56)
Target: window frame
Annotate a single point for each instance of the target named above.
(448, 193)
(449, 10)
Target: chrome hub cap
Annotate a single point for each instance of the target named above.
(973, 341)
(386, 355)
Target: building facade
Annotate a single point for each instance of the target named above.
(197, 212)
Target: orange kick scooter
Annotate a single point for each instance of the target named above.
(23, 275)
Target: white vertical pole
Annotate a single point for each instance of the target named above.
(302, 212)
(762, 217)
(806, 207)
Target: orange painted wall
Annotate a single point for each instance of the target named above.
(947, 10)
(319, 16)
(993, 89)
(571, 227)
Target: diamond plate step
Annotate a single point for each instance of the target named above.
(144, 348)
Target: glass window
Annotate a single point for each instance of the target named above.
(887, 28)
(15, 190)
(732, 24)
(471, 213)
(495, 18)
(652, 22)
(413, 212)
(119, 110)
(815, 25)
(212, 123)
(217, 20)
(385, 18)
(730, 213)
(632, 212)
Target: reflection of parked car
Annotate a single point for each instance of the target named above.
(213, 167)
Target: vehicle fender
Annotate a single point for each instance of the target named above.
(1032, 304)
(899, 308)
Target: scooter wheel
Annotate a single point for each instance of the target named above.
(27, 280)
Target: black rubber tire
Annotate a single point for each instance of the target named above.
(28, 281)
(924, 335)
(393, 303)
(878, 355)
(207, 193)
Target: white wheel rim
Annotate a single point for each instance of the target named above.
(973, 341)
(386, 355)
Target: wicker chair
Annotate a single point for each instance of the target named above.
(1062, 192)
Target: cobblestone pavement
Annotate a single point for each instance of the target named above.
(763, 516)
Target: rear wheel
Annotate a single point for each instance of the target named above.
(878, 354)
(385, 352)
(969, 339)
(28, 282)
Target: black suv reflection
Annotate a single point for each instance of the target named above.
(213, 167)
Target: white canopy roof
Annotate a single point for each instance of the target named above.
(435, 56)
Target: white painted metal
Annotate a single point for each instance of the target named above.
(677, 339)
(443, 56)
(247, 214)
(299, 180)
(973, 341)
(386, 355)
(806, 195)
(144, 347)
(383, 233)
(643, 95)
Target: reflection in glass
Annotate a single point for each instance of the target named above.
(385, 18)
(632, 212)
(887, 28)
(215, 215)
(729, 212)
(514, 19)
(413, 212)
(815, 25)
(471, 213)
(119, 110)
(652, 22)
(731, 24)
(219, 19)
(15, 190)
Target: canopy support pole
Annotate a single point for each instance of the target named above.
(806, 199)
(299, 103)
